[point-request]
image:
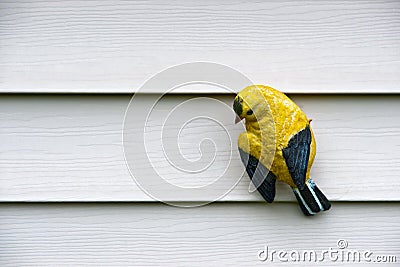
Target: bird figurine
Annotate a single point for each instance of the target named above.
(278, 144)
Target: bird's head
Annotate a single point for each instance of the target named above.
(250, 104)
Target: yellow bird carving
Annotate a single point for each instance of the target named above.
(278, 144)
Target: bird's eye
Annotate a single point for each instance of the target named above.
(250, 112)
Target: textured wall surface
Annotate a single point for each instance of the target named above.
(108, 46)
(219, 234)
(66, 195)
(69, 147)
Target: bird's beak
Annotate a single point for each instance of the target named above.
(238, 119)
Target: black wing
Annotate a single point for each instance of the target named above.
(296, 155)
(262, 178)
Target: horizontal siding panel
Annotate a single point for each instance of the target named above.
(108, 46)
(69, 147)
(158, 235)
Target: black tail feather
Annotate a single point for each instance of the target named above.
(311, 199)
(302, 206)
(322, 198)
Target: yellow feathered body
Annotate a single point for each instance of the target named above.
(278, 145)
(288, 119)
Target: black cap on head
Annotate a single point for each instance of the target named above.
(237, 106)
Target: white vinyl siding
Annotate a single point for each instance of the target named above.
(113, 47)
(67, 72)
(69, 147)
